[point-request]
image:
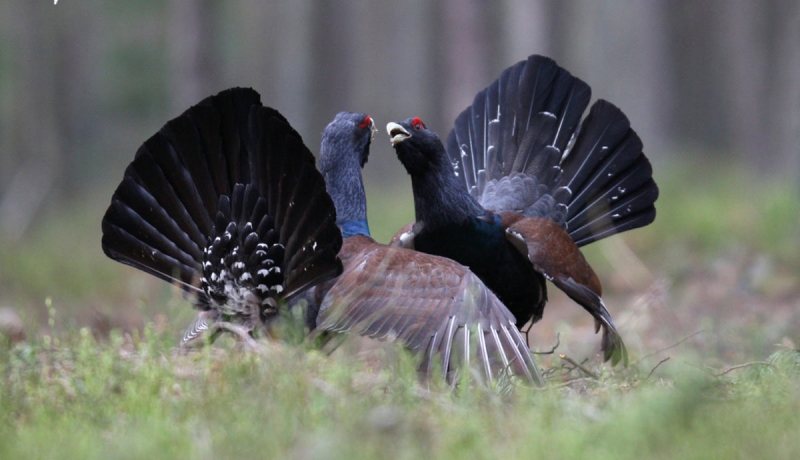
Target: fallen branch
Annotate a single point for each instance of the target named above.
(654, 369)
(741, 366)
(671, 346)
(570, 382)
(579, 366)
(552, 350)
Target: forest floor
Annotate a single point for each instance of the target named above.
(707, 300)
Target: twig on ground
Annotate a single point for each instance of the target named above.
(579, 366)
(570, 382)
(654, 369)
(671, 346)
(549, 371)
(552, 350)
(741, 366)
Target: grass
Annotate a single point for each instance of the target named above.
(99, 377)
(135, 398)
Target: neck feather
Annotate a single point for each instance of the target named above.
(440, 199)
(346, 187)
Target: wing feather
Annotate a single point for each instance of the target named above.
(432, 305)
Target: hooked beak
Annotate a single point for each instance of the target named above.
(372, 128)
(397, 133)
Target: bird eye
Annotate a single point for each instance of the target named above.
(417, 124)
(366, 123)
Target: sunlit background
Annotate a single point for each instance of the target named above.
(712, 88)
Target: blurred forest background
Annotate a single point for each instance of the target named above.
(709, 86)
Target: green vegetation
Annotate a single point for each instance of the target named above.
(136, 398)
(706, 379)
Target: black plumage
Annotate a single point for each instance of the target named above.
(225, 201)
(522, 183)
(432, 305)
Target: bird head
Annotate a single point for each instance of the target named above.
(417, 147)
(345, 149)
(348, 133)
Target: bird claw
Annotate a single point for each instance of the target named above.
(241, 333)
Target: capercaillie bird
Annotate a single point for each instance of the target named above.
(225, 202)
(522, 184)
(432, 305)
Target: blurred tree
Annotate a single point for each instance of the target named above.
(193, 51)
(32, 140)
(620, 52)
(735, 68)
(83, 83)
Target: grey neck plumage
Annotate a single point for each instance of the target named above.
(345, 186)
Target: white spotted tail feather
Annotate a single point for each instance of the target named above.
(225, 202)
(522, 147)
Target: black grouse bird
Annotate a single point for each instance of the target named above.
(225, 202)
(523, 183)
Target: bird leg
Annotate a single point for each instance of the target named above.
(241, 332)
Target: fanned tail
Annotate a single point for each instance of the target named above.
(511, 150)
(304, 213)
(519, 125)
(161, 214)
(609, 180)
(225, 163)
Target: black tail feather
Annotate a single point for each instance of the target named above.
(298, 200)
(126, 248)
(523, 123)
(181, 185)
(134, 205)
(610, 179)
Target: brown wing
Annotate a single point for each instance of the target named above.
(432, 305)
(553, 253)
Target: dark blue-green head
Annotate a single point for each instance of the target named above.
(439, 199)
